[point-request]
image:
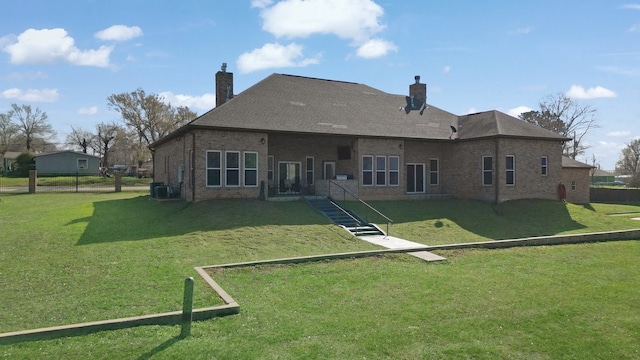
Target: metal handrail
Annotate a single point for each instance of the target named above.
(389, 221)
(348, 214)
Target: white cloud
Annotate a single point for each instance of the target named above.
(261, 3)
(354, 20)
(88, 110)
(634, 28)
(471, 111)
(375, 48)
(446, 69)
(515, 112)
(631, 6)
(52, 45)
(619, 133)
(31, 95)
(30, 75)
(521, 31)
(579, 92)
(274, 56)
(119, 33)
(203, 102)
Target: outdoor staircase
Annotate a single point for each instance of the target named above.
(343, 217)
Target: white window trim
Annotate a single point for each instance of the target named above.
(394, 171)
(544, 172)
(227, 168)
(245, 169)
(437, 172)
(86, 164)
(378, 171)
(207, 168)
(485, 170)
(510, 170)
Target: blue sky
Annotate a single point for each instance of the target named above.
(67, 56)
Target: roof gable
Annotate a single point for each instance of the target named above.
(496, 123)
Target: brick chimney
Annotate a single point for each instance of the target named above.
(224, 85)
(418, 90)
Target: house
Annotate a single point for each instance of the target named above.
(293, 135)
(67, 162)
(575, 180)
(8, 159)
(599, 176)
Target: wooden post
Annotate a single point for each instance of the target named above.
(33, 176)
(118, 181)
(187, 307)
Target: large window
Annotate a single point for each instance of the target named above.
(434, 172)
(367, 170)
(250, 169)
(232, 168)
(214, 168)
(394, 170)
(510, 168)
(487, 170)
(83, 164)
(381, 170)
(309, 170)
(544, 170)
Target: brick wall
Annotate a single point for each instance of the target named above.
(580, 177)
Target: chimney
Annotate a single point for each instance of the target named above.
(224, 85)
(418, 91)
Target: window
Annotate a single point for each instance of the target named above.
(544, 170)
(270, 164)
(214, 168)
(250, 168)
(367, 170)
(309, 171)
(83, 164)
(381, 170)
(510, 168)
(573, 186)
(434, 172)
(415, 178)
(487, 170)
(232, 168)
(394, 170)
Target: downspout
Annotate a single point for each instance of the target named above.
(497, 189)
(192, 167)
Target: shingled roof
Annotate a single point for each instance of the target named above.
(296, 104)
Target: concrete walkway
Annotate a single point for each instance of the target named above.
(391, 242)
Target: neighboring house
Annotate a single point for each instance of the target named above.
(293, 135)
(575, 178)
(8, 159)
(67, 162)
(599, 176)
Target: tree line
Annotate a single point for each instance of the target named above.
(144, 118)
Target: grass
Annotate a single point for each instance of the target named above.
(68, 258)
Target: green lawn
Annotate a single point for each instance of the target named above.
(68, 258)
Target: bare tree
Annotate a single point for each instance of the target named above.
(106, 135)
(148, 115)
(564, 116)
(8, 134)
(80, 138)
(31, 123)
(629, 162)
